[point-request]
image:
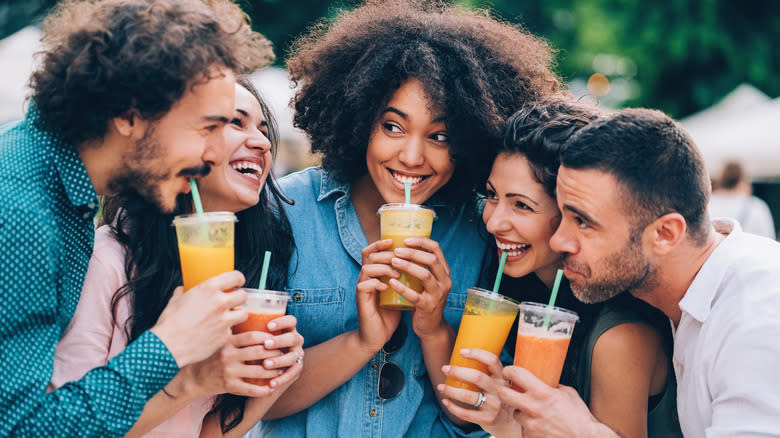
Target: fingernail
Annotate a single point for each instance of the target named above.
(279, 373)
(269, 363)
(465, 351)
(402, 251)
(270, 343)
(445, 369)
(271, 325)
(440, 387)
(396, 261)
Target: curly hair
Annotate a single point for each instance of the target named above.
(102, 59)
(478, 70)
(539, 130)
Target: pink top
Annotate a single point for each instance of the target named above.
(92, 338)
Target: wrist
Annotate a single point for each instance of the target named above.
(363, 346)
(181, 357)
(440, 335)
(601, 430)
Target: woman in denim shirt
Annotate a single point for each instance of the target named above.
(391, 93)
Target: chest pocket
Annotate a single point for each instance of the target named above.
(320, 313)
(453, 310)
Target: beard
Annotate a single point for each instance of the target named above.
(143, 173)
(626, 270)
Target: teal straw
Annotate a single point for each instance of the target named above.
(264, 273)
(408, 192)
(196, 197)
(500, 271)
(553, 296)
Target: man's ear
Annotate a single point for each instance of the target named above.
(130, 125)
(666, 232)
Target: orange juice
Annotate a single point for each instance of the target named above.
(199, 263)
(256, 322)
(487, 332)
(542, 355)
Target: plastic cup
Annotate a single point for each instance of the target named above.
(487, 320)
(205, 245)
(262, 306)
(398, 222)
(540, 348)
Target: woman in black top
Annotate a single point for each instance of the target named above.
(619, 356)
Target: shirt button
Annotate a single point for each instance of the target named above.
(297, 296)
(86, 215)
(372, 412)
(91, 205)
(375, 365)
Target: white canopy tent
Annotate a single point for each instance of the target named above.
(16, 58)
(744, 127)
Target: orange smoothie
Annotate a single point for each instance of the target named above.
(486, 332)
(543, 356)
(256, 322)
(199, 263)
(389, 298)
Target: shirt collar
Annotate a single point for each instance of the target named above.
(67, 164)
(698, 299)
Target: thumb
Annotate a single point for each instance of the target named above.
(177, 293)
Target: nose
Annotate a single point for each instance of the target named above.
(216, 149)
(561, 241)
(257, 140)
(412, 154)
(496, 218)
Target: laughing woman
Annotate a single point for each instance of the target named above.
(392, 93)
(135, 268)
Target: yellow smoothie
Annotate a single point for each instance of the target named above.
(199, 263)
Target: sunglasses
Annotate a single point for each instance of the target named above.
(391, 377)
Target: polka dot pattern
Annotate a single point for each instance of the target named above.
(47, 207)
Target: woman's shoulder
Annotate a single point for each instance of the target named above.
(302, 181)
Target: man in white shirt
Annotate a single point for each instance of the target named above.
(633, 192)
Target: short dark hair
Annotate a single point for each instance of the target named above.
(731, 175)
(102, 59)
(656, 163)
(539, 130)
(478, 70)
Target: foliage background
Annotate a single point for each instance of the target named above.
(676, 55)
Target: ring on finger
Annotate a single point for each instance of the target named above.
(299, 359)
(480, 400)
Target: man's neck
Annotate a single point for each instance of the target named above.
(101, 158)
(675, 275)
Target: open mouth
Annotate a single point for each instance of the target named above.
(411, 179)
(512, 249)
(248, 168)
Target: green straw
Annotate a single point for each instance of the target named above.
(408, 192)
(500, 271)
(553, 296)
(196, 197)
(264, 273)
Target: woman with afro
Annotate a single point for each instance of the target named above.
(393, 92)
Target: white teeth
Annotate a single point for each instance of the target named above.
(245, 165)
(407, 179)
(512, 249)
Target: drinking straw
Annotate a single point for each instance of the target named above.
(553, 296)
(500, 271)
(408, 192)
(264, 273)
(196, 197)
(199, 209)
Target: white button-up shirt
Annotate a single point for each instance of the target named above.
(727, 345)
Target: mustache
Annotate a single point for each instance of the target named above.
(195, 171)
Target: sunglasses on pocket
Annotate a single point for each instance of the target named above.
(391, 377)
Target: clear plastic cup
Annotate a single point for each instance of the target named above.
(398, 222)
(541, 348)
(205, 245)
(487, 320)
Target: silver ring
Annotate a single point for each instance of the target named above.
(480, 401)
(299, 360)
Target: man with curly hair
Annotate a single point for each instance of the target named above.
(131, 97)
(393, 92)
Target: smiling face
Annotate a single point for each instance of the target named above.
(522, 217)
(235, 184)
(180, 145)
(603, 254)
(409, 143)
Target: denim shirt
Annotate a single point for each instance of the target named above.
(323, 276)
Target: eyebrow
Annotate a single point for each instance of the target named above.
(514, 195)
(220, 119)
(403, 115)
(581, 214)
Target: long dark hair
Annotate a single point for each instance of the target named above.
(152, 258)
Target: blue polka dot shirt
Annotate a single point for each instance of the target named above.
(47, 206)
